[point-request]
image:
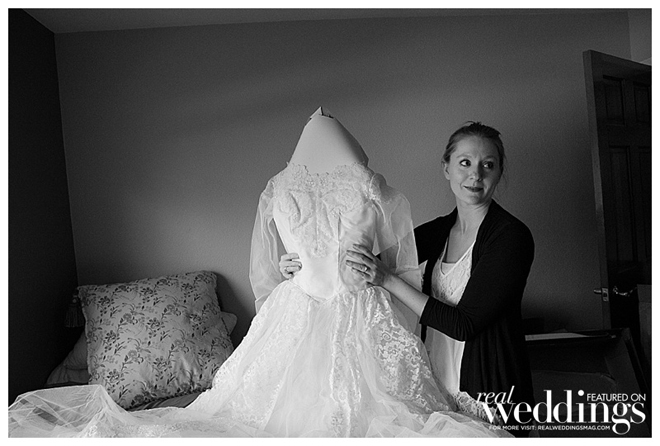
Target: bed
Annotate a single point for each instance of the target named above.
(150, 343)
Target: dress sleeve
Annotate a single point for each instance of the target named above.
(264, 253)
(395, 236)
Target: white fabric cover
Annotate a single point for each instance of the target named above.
(325, 144)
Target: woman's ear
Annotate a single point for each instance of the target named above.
(445, 169)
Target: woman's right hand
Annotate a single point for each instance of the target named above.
(288, 264)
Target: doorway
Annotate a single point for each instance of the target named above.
(619, 108)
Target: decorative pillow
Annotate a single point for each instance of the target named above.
(154, 338)
(230, 320)
(77, 358)
(73, 370)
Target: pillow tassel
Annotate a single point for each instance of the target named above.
(74, 313)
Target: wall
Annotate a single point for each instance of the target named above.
(171, 134)
(640, 35)
(42, 268)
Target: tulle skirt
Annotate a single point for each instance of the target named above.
(339, 367)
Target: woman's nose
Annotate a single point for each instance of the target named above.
(476, 173)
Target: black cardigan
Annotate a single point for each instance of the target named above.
(488, 316)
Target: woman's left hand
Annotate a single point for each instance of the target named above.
(367, 265)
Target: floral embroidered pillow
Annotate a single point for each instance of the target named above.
(154, 338)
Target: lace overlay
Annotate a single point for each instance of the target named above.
(325, 356)
(348, 355)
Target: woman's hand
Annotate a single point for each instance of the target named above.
(288, 265)
(377, 273)
(367, 265)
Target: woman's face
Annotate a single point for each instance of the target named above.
(473, 170)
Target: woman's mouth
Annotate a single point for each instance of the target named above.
(474, 190)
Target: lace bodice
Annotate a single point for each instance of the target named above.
(320, 216)
(309, 206)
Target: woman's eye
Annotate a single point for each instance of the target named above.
(464, 163)
(489, 165)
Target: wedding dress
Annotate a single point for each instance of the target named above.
(325, 356)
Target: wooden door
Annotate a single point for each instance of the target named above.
(619, 106)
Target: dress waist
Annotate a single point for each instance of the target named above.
(314, 289)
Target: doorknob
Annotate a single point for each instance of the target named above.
(604, 294)
(616, 291)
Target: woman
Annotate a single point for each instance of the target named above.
(478, 259)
